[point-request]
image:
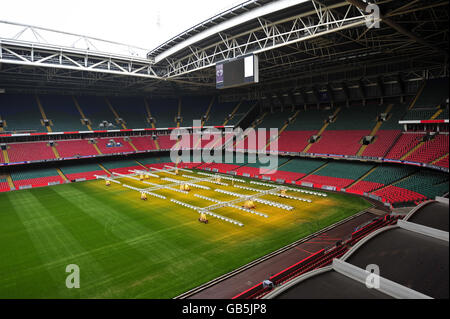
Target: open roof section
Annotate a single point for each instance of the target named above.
(255, 26)
(231, 20)
(208, 23)
(281, 26)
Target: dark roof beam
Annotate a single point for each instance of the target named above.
(280, 98)
(402, 86)
(362, 90)
(346, 92)
(380, 83)
(394, 25)
(331, 93)
(304, 97)
(292, 99)
(316, 94)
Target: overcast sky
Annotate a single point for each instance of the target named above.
(143, 23)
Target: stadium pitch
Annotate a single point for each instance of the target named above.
(126, 247)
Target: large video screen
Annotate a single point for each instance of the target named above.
(237, 72)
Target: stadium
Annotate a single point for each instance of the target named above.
(281, 149)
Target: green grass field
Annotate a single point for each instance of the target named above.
(129, 248)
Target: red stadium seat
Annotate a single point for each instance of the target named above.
(405, 143)
(143, 143)
(75, 147)
(102, 145)
(393, 194)
(339, 142)
(384, 139)
(430, 150)
(35, 151)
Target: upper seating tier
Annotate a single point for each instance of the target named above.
(434, 93)
(357, 117)
(96, 109)
(21, 113)
(132, 110)
(164, 111)
(62, 112)
(193, 108)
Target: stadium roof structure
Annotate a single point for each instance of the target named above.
(412, 259)
(205, 25)
(300, 43)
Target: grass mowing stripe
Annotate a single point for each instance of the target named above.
(21, 256)
(54, 245)
(111, 252)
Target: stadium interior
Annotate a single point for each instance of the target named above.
(360, 112)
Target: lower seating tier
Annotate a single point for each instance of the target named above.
(119, 145)
(4, 187)
(143, 143)
(85, 175)
(82, 171)
(393, 183)
(21, 152)
(326, 180)
(39, 181)
(365, 187)
(165, 143)
(160, 165)
(188, 165)
(221, 167)
(249, 171)
(75, 148)
(126, 170)
(394, 194)
(288, 177)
